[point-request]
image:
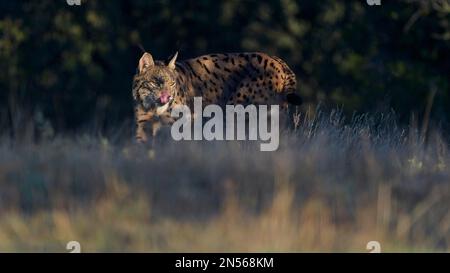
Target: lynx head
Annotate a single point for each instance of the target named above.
(154, 85)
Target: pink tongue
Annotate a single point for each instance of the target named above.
(164, 97)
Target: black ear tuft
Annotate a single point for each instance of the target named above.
(294, 99)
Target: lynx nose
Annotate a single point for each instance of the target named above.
(164, 97)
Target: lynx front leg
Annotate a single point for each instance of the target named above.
(147, 138)
(144, 121)
(161, 129)
(141, 134)
(146, 131)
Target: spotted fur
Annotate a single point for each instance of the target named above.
(235, 78)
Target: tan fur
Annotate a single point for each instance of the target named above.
(235, 78)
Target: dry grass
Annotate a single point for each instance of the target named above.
(332, 186)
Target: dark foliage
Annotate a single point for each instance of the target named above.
(70, 66)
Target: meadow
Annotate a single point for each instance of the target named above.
(335, 183)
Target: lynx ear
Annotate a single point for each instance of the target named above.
(172, 62)
(145, 62)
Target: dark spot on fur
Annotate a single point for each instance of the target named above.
(259, 58)
(206, 68)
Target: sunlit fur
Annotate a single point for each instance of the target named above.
(222, 79)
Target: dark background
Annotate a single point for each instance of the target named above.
(71, 66)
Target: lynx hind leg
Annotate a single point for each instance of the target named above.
(251, 92)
